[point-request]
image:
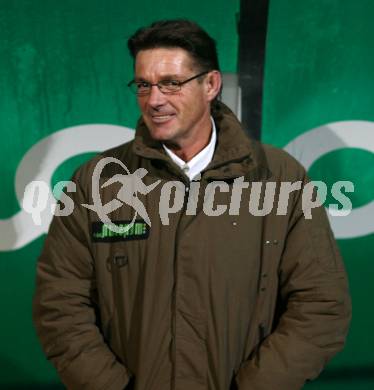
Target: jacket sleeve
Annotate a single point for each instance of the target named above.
(65, 307)
(314, 321)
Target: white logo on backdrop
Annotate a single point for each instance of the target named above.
(312, 145)
(41, 161)
(39, 164)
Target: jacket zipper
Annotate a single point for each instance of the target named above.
(174, 292)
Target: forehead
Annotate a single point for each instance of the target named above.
(159, 62)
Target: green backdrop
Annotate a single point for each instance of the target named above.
(62, 64)
(65, 64)
(320, 70)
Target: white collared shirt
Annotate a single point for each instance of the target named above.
(193, 167)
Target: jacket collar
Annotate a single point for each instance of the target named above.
(235, 155)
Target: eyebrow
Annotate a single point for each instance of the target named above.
(164, 77)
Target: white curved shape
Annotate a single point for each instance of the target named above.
(43, 158)
(312, 145)
(40, 162)
(360, 222)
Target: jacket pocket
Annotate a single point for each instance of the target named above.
(118, 267)
(261, 335)
(117, 264)
(261, 332)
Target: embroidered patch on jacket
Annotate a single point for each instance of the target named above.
(137, 230)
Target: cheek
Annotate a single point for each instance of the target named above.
(142, 103)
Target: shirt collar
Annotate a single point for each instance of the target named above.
(193, 167)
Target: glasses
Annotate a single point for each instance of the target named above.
(142, 88)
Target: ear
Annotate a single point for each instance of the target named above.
(213, 82)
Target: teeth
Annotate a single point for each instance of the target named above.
(161, 118)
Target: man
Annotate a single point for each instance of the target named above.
(202, 299)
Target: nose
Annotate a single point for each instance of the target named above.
(156, 98)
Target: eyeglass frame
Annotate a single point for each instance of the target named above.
(180, 83)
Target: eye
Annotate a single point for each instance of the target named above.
(170, 83)
(142, 85)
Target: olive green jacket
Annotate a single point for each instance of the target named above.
(204, 303)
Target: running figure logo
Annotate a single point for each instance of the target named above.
(132, 184)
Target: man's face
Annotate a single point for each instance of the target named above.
(173, 118)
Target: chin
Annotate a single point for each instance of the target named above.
(160, 134)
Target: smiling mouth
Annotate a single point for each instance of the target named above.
(161, 118)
